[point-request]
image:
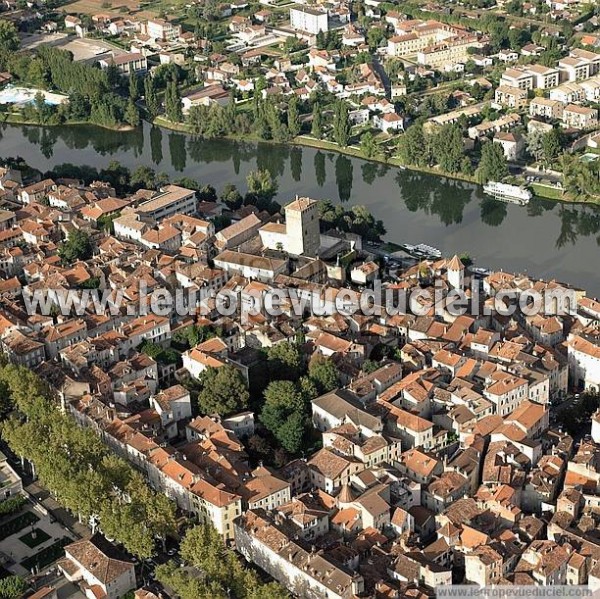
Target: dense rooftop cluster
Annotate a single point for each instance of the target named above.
(345, 455)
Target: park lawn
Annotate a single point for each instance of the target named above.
(40, 537)
(547, 191)
(16, 524)
(46, 556)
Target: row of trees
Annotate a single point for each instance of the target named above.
(79, 470)
(219, 571)
(444, 147)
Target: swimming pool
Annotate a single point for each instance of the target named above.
(26, 95)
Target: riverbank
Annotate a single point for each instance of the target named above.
(545, 192)
(542, 191)
(15, 118)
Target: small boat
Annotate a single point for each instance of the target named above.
(427, 251)
(510, 193)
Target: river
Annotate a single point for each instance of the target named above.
(545, 239)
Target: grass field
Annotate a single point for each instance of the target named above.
(31, 542)
(111, 7)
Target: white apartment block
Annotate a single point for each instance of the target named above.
(519, 78)
(568, 93)
(584, 363)
(310, 20)
(162, 30)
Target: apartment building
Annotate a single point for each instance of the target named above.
(544, 77)
(574, 69)
(161, 30)
(170, 200)
(567, 93)
(580, 117)
(309, 20)
(448, 52)
(518, 77)
(546, 108)
(510, 97)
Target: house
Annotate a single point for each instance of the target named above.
(512, 144)
(205, 96)
(249, 265)
(388, 122)
(506, 391)
(364, 273)
(504, 123)
(95, 564)
(238, 232)
(126, 64)
(172, 405)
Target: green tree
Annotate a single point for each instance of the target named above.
(324, 373)
(223, 574)
(284, 414)
(552, 143)
(368, 145)
(493, 165)
(261, 187)
(412, 146)
(534, 144)
(12, 587)
(78, 469)
(78, 246)
(143, 177)
(284, 361)
(317, 122)
(293, 117)
(151, 97)
(223, 391)
(231, 196)
(173, 107)
(9, 37)
(341, 124)
(132, 115)
(134, 87)
(447, 147)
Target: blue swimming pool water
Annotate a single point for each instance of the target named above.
(21, 95)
